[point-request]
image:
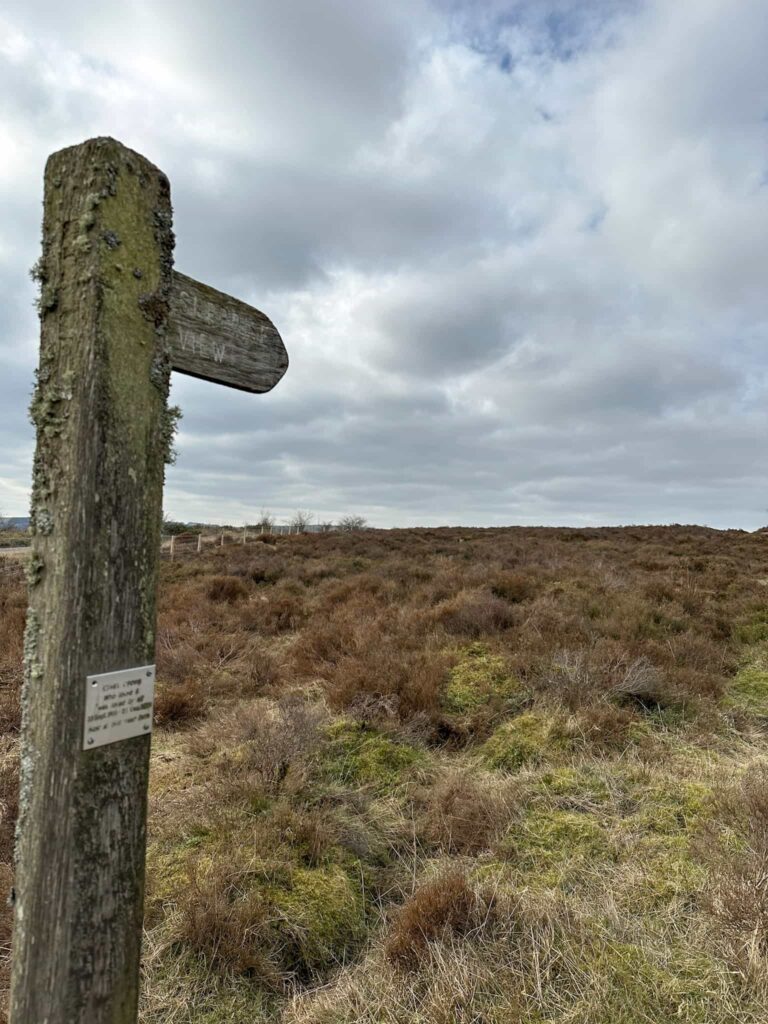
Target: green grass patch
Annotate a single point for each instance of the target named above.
(358, 756)
(573, 785)
(753, 629)
(529, 738)
(749, 690)
(182, 988)
(627, 984)
(553, 847)
(669, 806)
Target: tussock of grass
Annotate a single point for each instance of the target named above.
(359, 756)
(530, 738)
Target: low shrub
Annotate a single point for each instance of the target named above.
(282, 611)
(12, 620)
(444, 909)
(463, 814)
(475, 614)
(275, 736)
(513, 587)
(9, 809)
(230, 589)
(177, 704)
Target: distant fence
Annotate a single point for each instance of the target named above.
(183, 545)
(172, 547)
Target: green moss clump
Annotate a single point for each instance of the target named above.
(356, 755)
(573, 784)
(322, 914)
(269, 920)
(670, 806)
(749, 690)
(528, 739)
(481, 678)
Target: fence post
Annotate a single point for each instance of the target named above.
(173, 544)
(102, 435)
(199, 543)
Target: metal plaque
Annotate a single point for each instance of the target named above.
(118, 705)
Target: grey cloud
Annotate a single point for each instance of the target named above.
(468, 341)
(283, 229)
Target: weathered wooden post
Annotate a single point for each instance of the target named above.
(115, 320)
(173, 544)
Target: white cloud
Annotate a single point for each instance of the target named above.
(516, 249)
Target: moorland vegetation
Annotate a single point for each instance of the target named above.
(429, 776)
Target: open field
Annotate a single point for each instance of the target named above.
(453, 775)
(14, 554)
(13, 540)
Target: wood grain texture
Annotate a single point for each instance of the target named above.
(221, 339)
(102, 433)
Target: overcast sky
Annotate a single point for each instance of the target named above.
(517, 250)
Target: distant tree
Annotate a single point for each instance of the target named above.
(300, 521)
(171, 526)
(265, 522)
(326, 527)
(5, 524)
(349, 523)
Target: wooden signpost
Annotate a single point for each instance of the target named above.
(116, 318)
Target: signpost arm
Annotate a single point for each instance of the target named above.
(102, 437)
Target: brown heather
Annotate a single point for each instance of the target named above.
(439, 911)
(428, 776)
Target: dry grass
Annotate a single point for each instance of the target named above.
(735, 846)
(419, 777)
(12, 619)
(442, 910)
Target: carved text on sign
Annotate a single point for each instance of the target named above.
(197, 344)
